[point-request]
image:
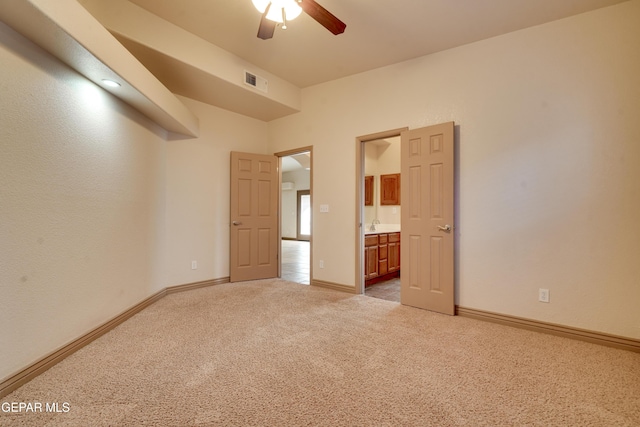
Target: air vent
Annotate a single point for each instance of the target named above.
(250, 79)
(255, 81)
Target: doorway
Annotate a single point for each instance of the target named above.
(296, 215)
(367, 200)
(426, 250)
(370, 214)
(382, 215)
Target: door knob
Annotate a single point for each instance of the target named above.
(236, 223)
(446, 228)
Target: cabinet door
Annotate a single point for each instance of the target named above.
(390, 189)
(368, 190)
(394, 252)
(370, 256)
(394, 257)
(371, 262)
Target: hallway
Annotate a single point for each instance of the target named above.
(296, 261)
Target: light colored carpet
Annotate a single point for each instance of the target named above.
(274, 353)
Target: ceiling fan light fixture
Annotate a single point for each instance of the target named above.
(287, 9)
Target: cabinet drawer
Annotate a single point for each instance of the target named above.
(382, 252)
(383, 238)
(383, 267)
(394, 237)
(371, 240)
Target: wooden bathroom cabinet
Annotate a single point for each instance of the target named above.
(381, 257)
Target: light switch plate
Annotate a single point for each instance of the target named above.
(543, 295)
(324, 208)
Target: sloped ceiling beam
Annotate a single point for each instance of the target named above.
(69, 32)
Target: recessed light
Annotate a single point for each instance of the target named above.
(110, 83)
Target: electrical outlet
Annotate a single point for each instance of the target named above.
(321, 263)
(194, 265)
(543, 295)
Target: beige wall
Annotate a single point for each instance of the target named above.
(97, 209)
(381, 158)
(197, 199)
(81, 204)
(548, 187)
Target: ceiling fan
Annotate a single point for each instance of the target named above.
(276, 12)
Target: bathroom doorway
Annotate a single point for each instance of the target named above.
(427, 187)
(382, 213)
(379, 215)
(296, 215)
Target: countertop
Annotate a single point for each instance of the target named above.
(382, 229)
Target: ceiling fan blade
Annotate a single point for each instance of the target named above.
(267, 26)
(323, 16)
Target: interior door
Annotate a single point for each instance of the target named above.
(254, 217)
(427, 244)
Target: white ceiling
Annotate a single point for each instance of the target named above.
(378, 33)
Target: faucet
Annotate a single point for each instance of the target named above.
(373, 224)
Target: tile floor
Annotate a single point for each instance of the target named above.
(295, 261)
(295, 268)
(389, 290)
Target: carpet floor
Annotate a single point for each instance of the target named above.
(275, 353)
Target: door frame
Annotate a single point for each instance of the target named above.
(360, 141)
(280, 155)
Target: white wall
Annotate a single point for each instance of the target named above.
(81, 204)
(548, 189)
